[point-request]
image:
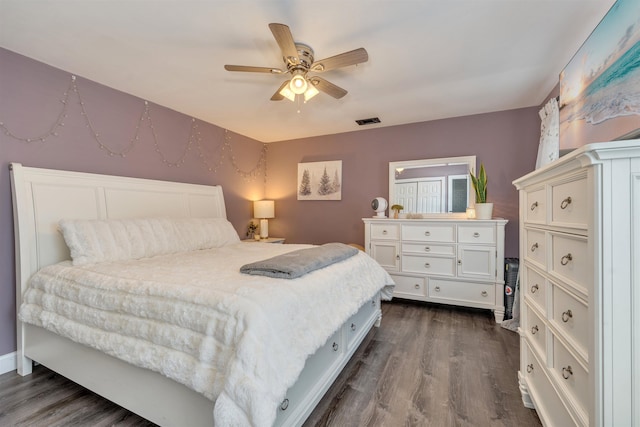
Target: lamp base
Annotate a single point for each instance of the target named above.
(264, 228)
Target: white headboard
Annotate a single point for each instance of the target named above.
(42, 197)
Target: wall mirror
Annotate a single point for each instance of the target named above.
(432, 186)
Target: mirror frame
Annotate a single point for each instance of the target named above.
(471, 167)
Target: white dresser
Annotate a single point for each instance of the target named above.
(580, 287)
(444, 260)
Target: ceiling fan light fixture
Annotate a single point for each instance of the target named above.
(298, 83)
(287, 93)
(310, 92)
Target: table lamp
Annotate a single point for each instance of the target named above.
(264, 209)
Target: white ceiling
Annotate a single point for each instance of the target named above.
(428, 59)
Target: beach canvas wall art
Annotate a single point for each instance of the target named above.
(320, 180)
(600, 87)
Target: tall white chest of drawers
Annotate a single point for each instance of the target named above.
(580, 287)
(444, 260)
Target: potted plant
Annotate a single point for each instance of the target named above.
(396, 210)
(251, 229)
(484, 210)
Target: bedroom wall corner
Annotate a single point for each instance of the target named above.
(30, 108)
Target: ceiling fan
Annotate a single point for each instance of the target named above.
(299, 61)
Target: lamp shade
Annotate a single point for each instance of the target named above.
(264, 209)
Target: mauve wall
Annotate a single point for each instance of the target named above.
(30, 94)
(506, 142)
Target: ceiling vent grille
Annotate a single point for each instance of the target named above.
(369, 121)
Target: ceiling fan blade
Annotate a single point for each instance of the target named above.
(250, 69)
(329, 88)
(284, 38)
(353, 57)
(278, 96)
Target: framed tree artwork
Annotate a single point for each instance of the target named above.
(320, 180)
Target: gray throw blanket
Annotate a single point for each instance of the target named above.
(298, 263)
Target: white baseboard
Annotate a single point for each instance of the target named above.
(8, 362)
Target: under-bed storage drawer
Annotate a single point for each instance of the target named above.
(356, 324)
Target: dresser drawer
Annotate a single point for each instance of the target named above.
(536, 332)
(428, 248)
(548, 404)
(429, 232)
(535, 247)
(535, 205)
(569, 204)
(536, 289)
(385, 231)
(409, 287)
(483, 234)
(570, 261)
(462, 293)
(571, 375)
(428, 265)
(570, 316)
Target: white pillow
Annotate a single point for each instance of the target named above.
(92, 241)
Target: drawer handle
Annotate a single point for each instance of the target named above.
(437, 289)
(427, 265)
(534, 288)
(529, 368)
(484, 293)
(373, 303)
(459, 262)
(476, 234)
(353, 326)
(384, 231)
(335, 346)
(427, 249)
(534, 205)
(565, 259)
(567, 372)
(534, 247)
(284, 405)
(566, 202)
(566, 315)
(427, 233)
(398, 256)
(417, 286)
(534, 329)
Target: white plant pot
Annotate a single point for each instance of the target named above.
(484, 210)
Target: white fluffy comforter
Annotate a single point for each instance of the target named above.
(240, 340)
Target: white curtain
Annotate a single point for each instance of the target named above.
(549, 147)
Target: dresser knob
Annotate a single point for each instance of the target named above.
(459, 262)
(534, 247)
(534, 288)
(566, 202)
(484, 293)
(534, 329)
(566, 315)
(384, 231)
(353, 326)
(529, 368)
(427, 249)
(335, 346)
(398, 256)
(427, 233)
(567, 372)
(534, 205)
(476, 234)
(427, 265)
(565, 259)
(284, 405)
(437, 289)
(417, 286)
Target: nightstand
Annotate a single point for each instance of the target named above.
(267, 240)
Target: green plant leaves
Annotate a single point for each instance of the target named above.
(480, 184)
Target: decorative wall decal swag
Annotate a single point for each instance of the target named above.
(195, 138)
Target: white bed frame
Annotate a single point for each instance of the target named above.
(41, 197)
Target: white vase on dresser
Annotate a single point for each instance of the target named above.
(580, 287)
(446, 260)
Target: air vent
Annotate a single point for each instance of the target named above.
(370, 121)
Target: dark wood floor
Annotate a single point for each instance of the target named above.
(427, 365)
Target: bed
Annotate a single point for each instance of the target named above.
(295, 362)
